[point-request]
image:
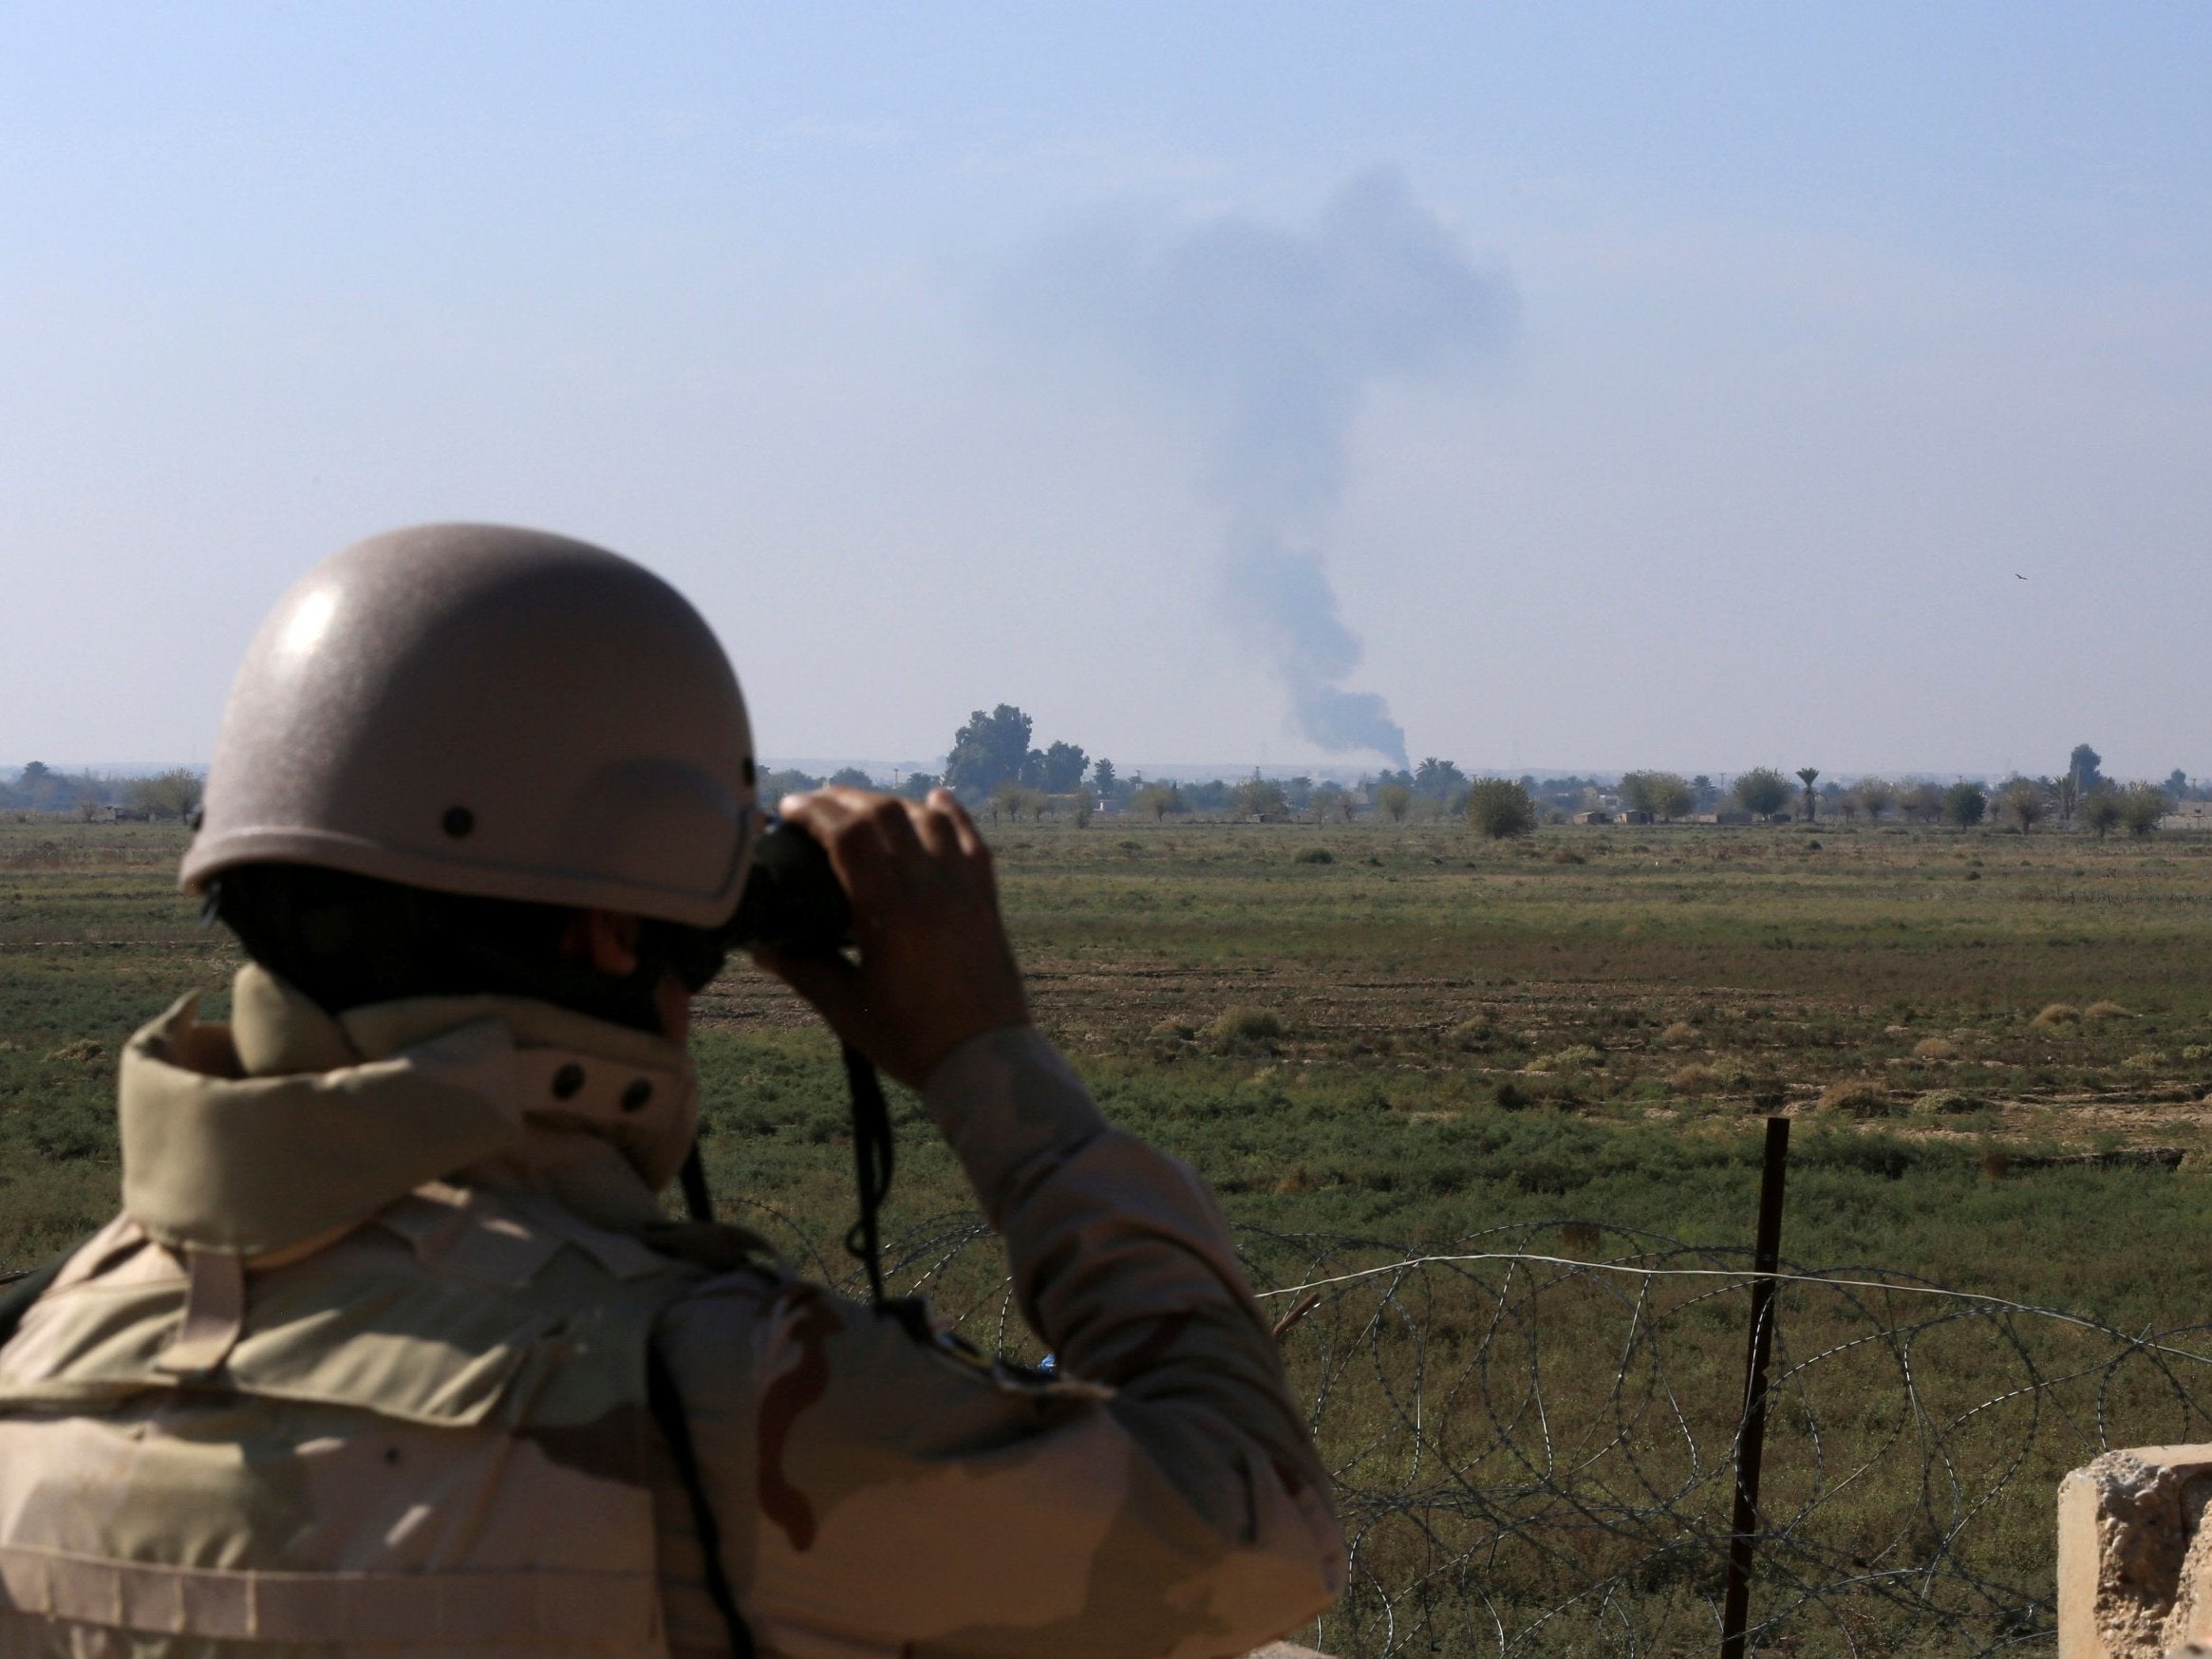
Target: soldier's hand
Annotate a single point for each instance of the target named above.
(934, 967)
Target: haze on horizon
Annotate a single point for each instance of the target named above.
(1575, 388)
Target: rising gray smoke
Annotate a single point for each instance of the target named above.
(1271, 337)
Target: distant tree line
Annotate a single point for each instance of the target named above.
(2081, 794)
(790, 780)
(42, 789)
(995, 767)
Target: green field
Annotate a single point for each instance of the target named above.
(1376, 1040)
(1423, 1036)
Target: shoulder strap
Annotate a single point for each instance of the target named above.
(666, 1404)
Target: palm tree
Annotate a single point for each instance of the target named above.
(1805, 776)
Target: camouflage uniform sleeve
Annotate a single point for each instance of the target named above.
(883, 1493)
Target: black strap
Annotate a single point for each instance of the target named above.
(16, 1300)
(668, 1408)
(874, 1153)
(874, 1156)
(698, 1201)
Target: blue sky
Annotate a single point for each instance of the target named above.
(1803, 334)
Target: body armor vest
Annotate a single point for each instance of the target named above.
(436, 1433)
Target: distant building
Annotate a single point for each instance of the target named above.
(1593, 817)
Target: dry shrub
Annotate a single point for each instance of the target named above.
(2106, 1010)
(1935, 1048)
(1950, 1102)
(2056, 1014)
(1239, 1026)
(1568, 1059)
(1473, 1033)
(1695, 1079)
(1857, 1097)
(1677, 1033)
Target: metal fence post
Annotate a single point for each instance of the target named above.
(1751, 1441)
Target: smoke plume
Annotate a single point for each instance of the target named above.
(1270, 338)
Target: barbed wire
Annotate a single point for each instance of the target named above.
(1532, 1434)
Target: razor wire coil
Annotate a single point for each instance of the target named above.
(1533, 1436)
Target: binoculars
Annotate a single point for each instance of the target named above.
(793, 901)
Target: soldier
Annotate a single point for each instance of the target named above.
(392, 1349)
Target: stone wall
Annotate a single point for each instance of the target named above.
(2134, 1558)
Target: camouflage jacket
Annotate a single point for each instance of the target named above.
(362, 1366)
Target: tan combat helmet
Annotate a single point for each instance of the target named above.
(499, 712)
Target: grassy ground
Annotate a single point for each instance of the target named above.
(1421, 1036)
(1427, 1035)
(1378, 1039)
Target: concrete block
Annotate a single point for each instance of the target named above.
(2134, 1559)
